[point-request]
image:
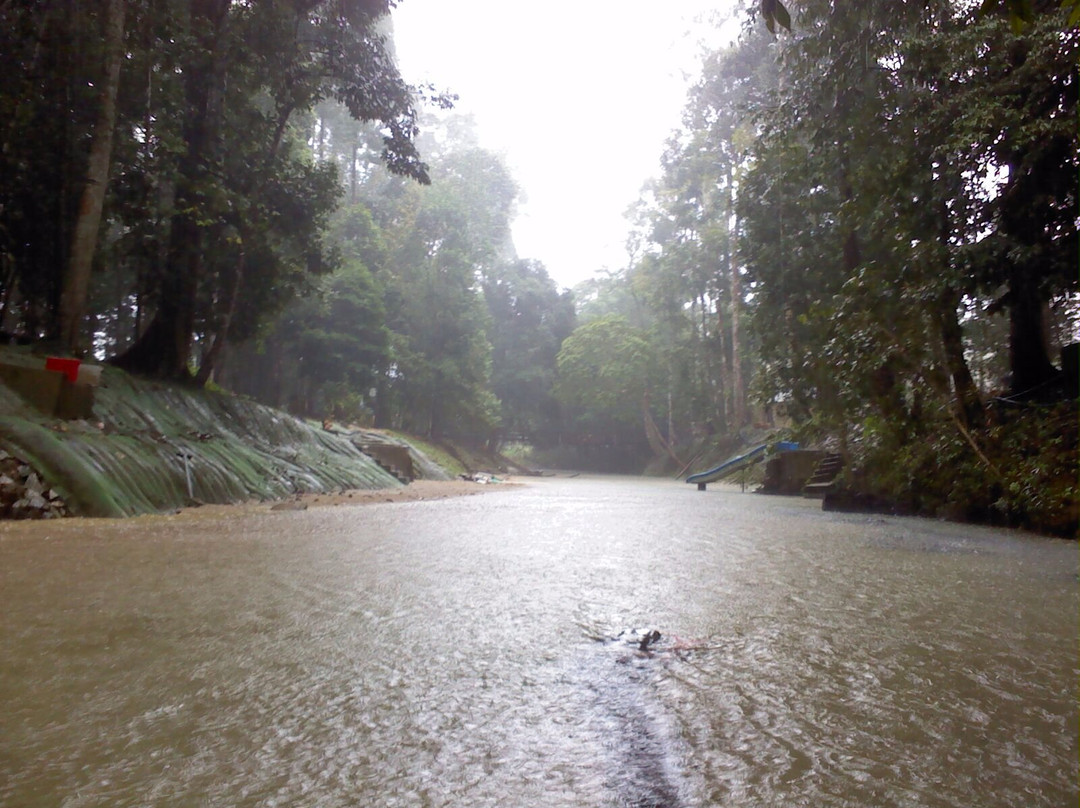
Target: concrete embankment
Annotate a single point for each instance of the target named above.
(145, 447)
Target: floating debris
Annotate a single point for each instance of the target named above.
(648, 639)
(482, 477)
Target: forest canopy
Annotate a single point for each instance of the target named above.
(864, 236)
(156, 170)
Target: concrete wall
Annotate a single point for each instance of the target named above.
(788, 472)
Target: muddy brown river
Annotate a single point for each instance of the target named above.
(499, 650)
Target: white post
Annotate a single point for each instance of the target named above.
(187, 471)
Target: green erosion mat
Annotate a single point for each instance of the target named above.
(147, 441)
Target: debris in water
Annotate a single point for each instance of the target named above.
(648, 639)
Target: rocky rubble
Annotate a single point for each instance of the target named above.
(23, 494)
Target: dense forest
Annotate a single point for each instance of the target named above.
(864, 236)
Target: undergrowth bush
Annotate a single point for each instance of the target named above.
(1019, 471)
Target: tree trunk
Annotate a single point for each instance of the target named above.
(670, 410)
(353, 172)
(164, 348)
(656, 441)
(1029, 352)
(209, 360)
(738, 393)
(84, 243)
(969, 403)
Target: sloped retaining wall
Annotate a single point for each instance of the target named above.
(420, 466)
(145, 440)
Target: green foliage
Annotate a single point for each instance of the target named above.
(239, 128)
(604, 371)
(860, 250)
(428, 322)
(774, 13)
(327, 348)
(685, 287)
(215, 210)
(1013, 477)
(1022, 13)
(866, 220)
(529, 320)
(341, 338)
(442, 358)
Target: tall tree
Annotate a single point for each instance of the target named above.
(51, 66)
(529, 319)
(294, 54)
(605, 373)
(441, 241)
(77, 278)
(1013, 112)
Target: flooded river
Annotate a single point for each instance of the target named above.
(499, 651)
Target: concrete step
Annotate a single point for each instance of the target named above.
(390, 458)
(822, 480)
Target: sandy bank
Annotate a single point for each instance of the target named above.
(413, 492)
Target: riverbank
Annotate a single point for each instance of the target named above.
(416, 491)
(1019, 470)
(207, 514)
(142, 447)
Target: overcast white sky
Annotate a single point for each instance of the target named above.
(578, 97)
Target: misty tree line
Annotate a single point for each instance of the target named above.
(430, 323)
(207, 190)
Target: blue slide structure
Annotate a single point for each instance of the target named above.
(755, 455)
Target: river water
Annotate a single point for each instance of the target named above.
(487, 651)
